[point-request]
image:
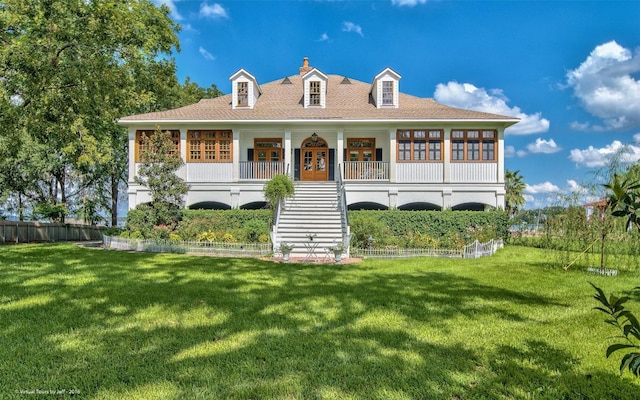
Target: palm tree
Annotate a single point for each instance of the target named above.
(514, 196)
(624, 200)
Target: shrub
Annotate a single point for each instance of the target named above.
(278, 188)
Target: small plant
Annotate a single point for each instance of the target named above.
(338, 248)
(627, 324)
(280, 187)
(286, 247)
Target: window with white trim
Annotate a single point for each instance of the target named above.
(473, 145)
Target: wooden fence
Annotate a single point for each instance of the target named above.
(24, 232)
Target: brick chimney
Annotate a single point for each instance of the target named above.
(305, 66)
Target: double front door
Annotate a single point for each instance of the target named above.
(314, 164)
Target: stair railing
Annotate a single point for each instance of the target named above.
(276, 219)
(344, 212)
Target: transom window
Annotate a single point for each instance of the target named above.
(387, 93)
(361, 149)
(419, 145)
(267, 150)
(142, 145)
(243, 93)
(209, 146)
(473, 145)
(314, 93)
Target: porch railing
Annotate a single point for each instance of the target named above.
(260, 170)
(366, 170)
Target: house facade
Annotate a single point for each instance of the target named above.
(389, 149)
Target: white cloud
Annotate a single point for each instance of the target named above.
(172, 7)
(605, 86)
(545, 187)
(468, 96)
(521, 153)
(408, 3)
(204, 53)
(575, 187)
(324, 37)
(636, 138)
(509, 151)
(351, 27)
(594, 157)
(215, 11)
(579, 126)
(542, 146)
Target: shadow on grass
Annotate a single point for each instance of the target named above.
(120, 325)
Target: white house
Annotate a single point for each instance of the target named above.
(389, 149)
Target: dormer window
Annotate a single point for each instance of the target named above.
(387, 93)
(384, 90)
(314, 93)
(315, 89)
(245, 90)
(243, 94)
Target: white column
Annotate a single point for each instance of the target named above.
(339, 151)
(392, 155)
(446, 156)
(132, 154)
(288, 152)
(500, 150)
(235, 174)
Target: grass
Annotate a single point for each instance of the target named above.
(95, 324)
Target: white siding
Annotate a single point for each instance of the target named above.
(474, 172)
(419, 172)
(209, 172)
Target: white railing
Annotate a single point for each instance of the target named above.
(366, 170)
(427, 172)
(260, 170)
(473, 250)
(191, 247)
(477, 249)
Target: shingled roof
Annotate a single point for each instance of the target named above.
(347, 100)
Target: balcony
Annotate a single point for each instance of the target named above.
(366, 170)
(260, 170)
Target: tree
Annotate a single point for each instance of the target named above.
(624, 200)
(514, 187)
(157, 172)
(68, 70)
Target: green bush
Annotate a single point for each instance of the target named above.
(444, 229)
(243, 225)
(278, 188)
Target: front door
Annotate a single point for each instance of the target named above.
(315, 159)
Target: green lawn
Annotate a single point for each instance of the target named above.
(95, 324)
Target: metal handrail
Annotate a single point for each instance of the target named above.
(344, 212)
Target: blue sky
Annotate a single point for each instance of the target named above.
(569, 69)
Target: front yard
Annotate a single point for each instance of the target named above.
(96, 324)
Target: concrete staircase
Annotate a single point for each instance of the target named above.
(312, 212)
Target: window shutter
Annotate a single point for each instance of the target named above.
(332, 167)
(296, 164)
(378, 154)
(249, 154)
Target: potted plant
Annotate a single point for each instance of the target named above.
(337, 250)
(285, 249)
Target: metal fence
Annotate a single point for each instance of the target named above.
(24, 232)
(206, 248)
(473, 250)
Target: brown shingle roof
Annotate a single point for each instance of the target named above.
(345, 101)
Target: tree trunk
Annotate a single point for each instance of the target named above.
(114, 200)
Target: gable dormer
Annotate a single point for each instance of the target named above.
(245, 90)
(315, 89)
(384, 90)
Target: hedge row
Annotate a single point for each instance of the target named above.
(424, 229)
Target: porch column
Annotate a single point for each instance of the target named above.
(446, 199)
(183, 144)
(392, 155)
(446, 157)
(132, 155)
(340, 151)
(235, 170)
(288, 153)
(500, 176)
